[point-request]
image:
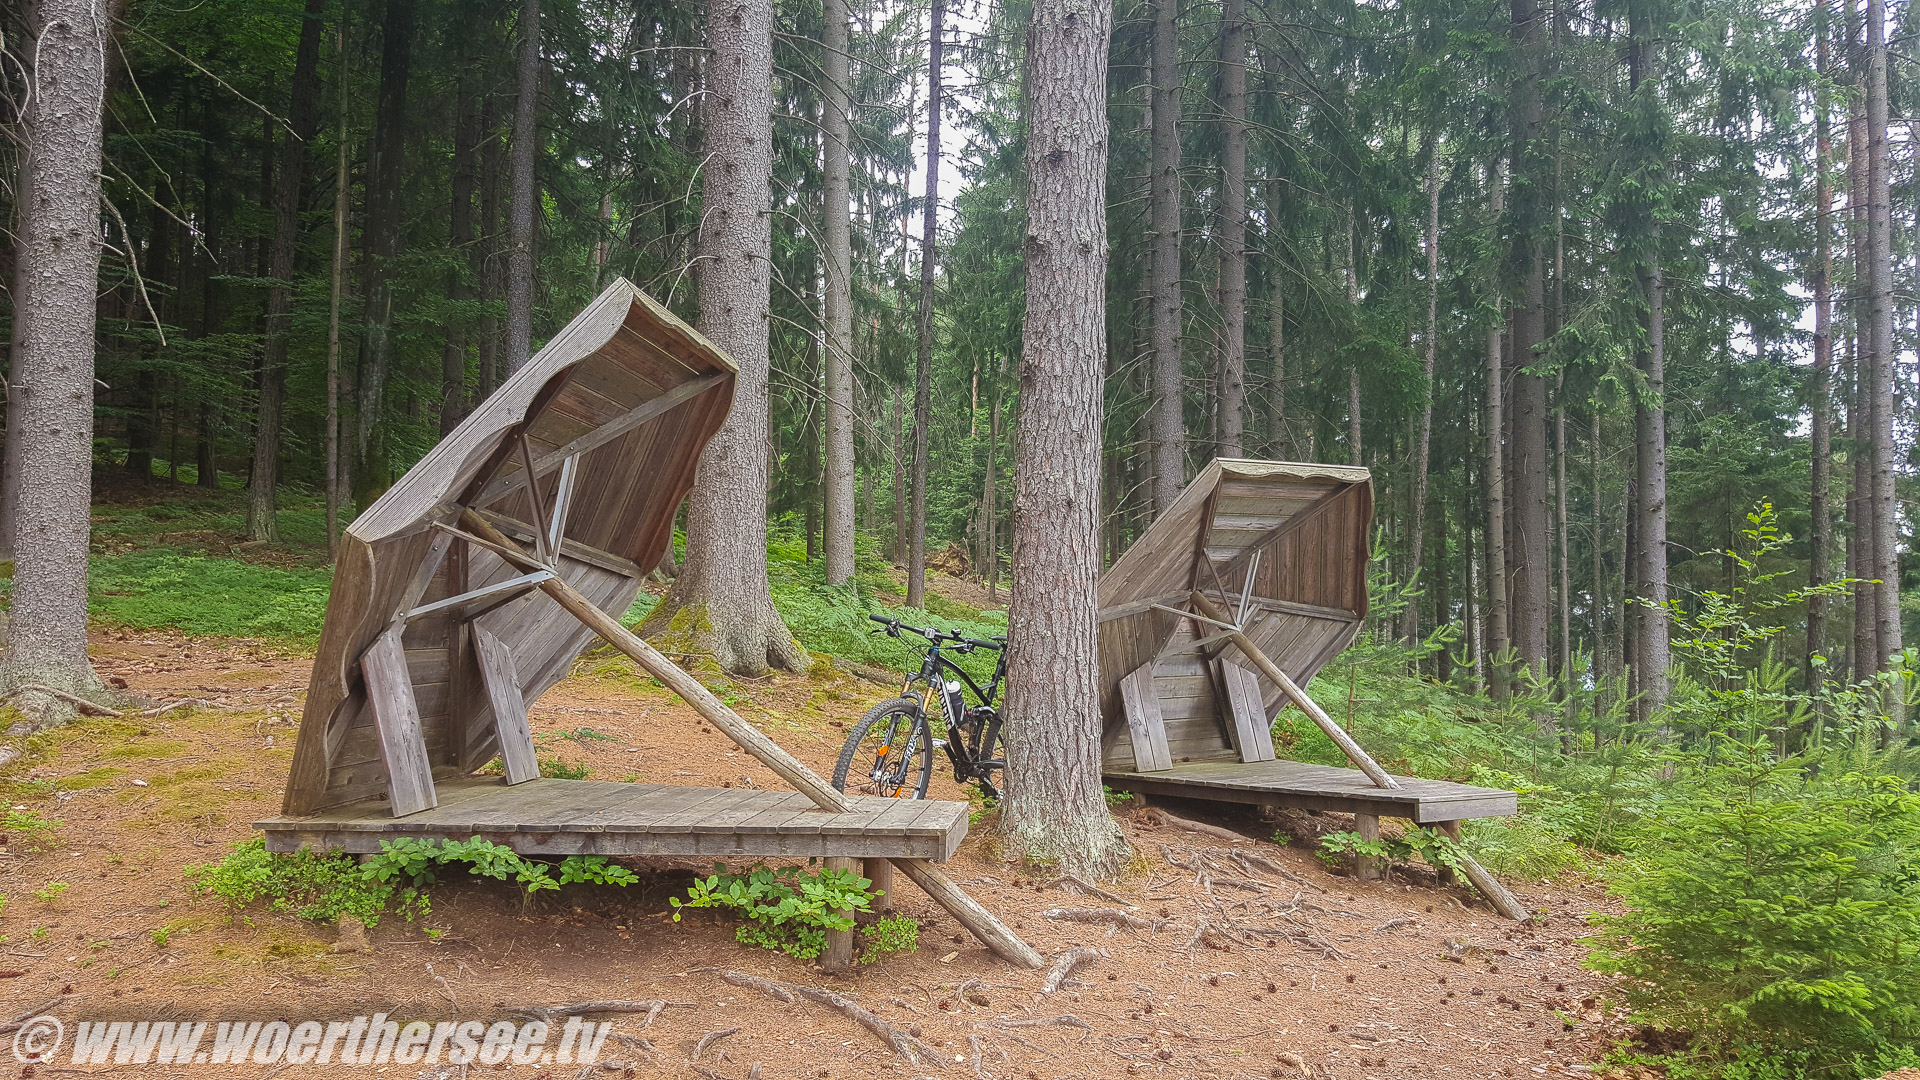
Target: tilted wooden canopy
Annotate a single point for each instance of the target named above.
(1281, 547)
(609, 419)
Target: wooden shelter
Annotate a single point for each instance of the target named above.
(470, 587)
(1210, 624)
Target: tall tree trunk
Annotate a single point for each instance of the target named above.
(990, 496)
(722, 586)
(526, 135)
(1233, 229)
(1880, 366)
(304, 116)
(923, 358)
(1423, 441)
(460, 238)
(1495, 478)
(487, 263)
(1355, 452)
(1532, 589)
(836, 133)
(1652, 657)
(1279, 436)
(335, 293)
(1055, 809)
(51, 436)
(1820, 390)
(899, 476)
(385, 174)
(1169, 415)
(1861, 534)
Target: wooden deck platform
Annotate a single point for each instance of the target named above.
(1319, 787)
(594, 817)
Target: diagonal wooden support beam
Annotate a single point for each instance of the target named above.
(934, 881)
(1360, 758)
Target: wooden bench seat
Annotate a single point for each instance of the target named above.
(1319, 787)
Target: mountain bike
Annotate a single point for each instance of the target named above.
(890, 751)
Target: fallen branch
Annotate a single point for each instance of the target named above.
(1065, 965)
(1392, 924)
(183, 703)
(1099, 917)
(1075, 885)
(78, 702)
(1252, 860)
(1064, 1020)
(906, 1045)
(709, 1039)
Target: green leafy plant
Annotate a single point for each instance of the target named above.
(787, 909)
(887, 936)
(27, 828)
(161, 935)
(308, 884)
(415, 861)
(1436, 849)
(555, 769)
(1115, 799)
(51, 892)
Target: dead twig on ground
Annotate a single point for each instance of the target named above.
(1063, 1020)
(651, 1008)
(1065, 965)
(906, 1045)
(1200, 827)
(711, 1037)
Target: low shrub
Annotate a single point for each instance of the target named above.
(884, 937)
(787, 909)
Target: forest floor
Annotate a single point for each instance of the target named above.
(1402, 978)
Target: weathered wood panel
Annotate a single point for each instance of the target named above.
(1144, 724)
(502, 683)
(390, 694)
(1319, 787)
(1248, 726)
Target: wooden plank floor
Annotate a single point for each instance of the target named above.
(1319, 787)
(596, 817)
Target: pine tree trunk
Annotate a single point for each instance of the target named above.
(487, 264)
(304, 117)
(1279, 436)
(899, 477)
(720, 604)
(1495, 478)
(1880, 367)
(923, 358)
(335, 294)
(385, 175)
(1820, 389)
(526, 136)
(837, 251)
(1233, 229)
(1652, 657)
(51, 433)
(1423, 441)
(1355, 452)
(460, 239)
(1532, 569)
(1055, 807)
(1169, 415)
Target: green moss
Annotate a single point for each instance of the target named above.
(146, 749)
(166, 588)
(92, 778)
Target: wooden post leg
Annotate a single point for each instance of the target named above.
(1366, 867)
(1450, 830)
(839, 954)
(880, 872)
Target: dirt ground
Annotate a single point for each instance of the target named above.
(1348, 979)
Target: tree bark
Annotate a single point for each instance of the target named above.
(1280, 437)
(1423, 441)
(1861, 534)
(1355, 451)
(1055, 807)
(1820, 388)
(1169, 417)
(526, 135)
(460, 239)
(335, 293)
(1233, 229)
(1495, 478)
(1652, 655)
(837, 250)
(1532, 588)
(923, 358)
(1880, 368)
(486, 255)
(385, 174)
(720, 603)
(51, 438)
(304, 117)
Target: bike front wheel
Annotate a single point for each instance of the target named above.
(888, 753)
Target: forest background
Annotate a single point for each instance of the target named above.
(1614, 298)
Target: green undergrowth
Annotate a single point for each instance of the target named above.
(323, 886)
(789, 909)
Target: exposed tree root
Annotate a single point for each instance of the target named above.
(907, 1046)
(1065, 965)
(1100, 917)
(1190, 825)
(1075, 885)
(91, 708)
(709, 1039)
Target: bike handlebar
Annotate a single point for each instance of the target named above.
(894, 626)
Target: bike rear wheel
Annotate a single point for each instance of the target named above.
(888, 753)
